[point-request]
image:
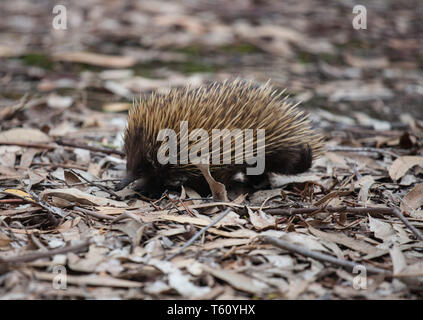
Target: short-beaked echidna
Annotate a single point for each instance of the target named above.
(290, 142)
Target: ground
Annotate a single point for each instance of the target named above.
(350, 228)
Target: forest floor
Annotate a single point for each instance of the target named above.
(350, 228)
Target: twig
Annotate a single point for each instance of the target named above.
(94, 214)
(319, 256)
(361, 149)
(56, 165)
(96, 184)
(400, 216)
(37, 255)
(199, 233)
(52, 210)
(28, 144)
(87, 147)
(355, 210)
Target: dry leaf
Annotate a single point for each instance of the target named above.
(401, 165)
(398, 259)
(96, 59)
(177, 280)
(413, 199)
(116, 107)
(261, 220)
(4, 239)
(90, 280)
(23, 135)
(20, 193)
(75, 195)
(221, 243)
(238, 280)
(382, 230)
(365, 183)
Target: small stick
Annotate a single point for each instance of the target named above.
(56, 165)
(358, 210)
(400, 216)
(361, 149)
(355, 210)
(87, 147)
(198, 234)
(319, 256)
(103, 188)
(94, 214)
(28, 144)
(51, 210)
(44, 254)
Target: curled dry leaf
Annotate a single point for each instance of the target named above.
(382, 230)
(365, 183)
(401, 165)
(177, 280)
(78, 196)
(413, 199)
(231, 219)
(260, 220)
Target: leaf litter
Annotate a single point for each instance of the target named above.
(63, 112)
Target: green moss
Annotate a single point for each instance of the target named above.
(307, 57)
(331, 58)
(190, 50)
(38, 60)
(240, 48)
(304, 57)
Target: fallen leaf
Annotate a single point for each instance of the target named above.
(221, 243)
(116, 107)
(177, 280)
(364, 183)
(260, 220)
(340, 238)
(238, 280)
(75, 195)
(91, 280)
(382, 230)
(20, 194)
(23, 135)
(401, 165)
(96, 59)
(398, 259)
(413, 199)
(4, 239)
(59, 102)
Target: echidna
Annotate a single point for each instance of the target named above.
(290, 144)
